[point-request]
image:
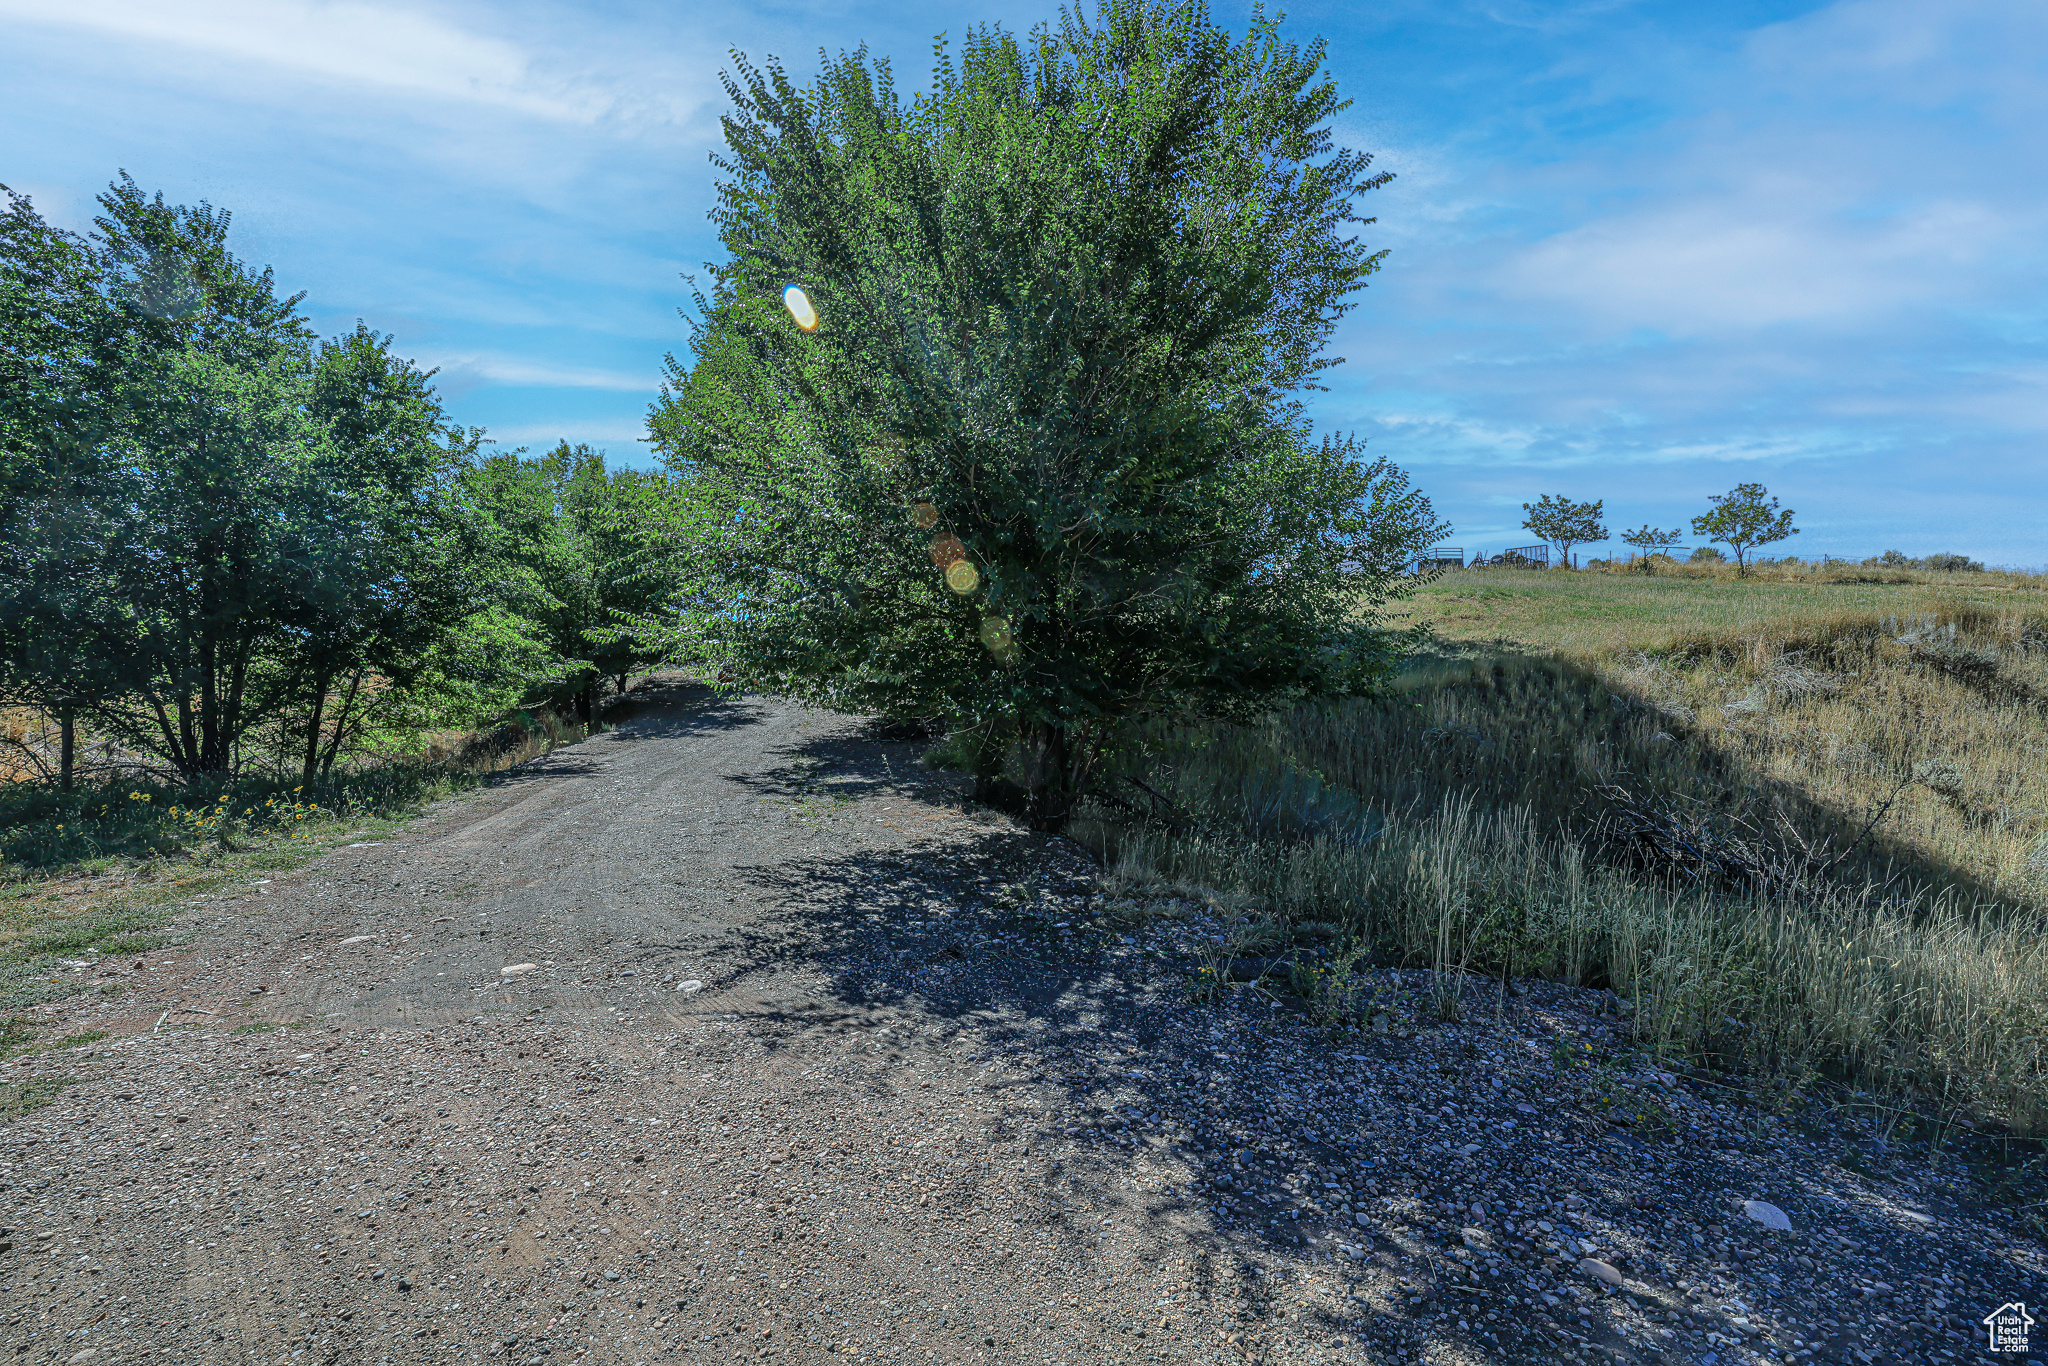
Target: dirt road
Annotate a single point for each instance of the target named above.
(732, 1034)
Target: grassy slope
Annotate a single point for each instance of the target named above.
(1801, 705)
(1879, 715)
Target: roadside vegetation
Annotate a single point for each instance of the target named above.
(991, 412)
(1811, 845)
(95, 874)
(233, 552)
(1606, 610)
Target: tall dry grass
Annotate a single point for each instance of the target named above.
(1917, 966)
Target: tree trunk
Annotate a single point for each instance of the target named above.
(211, 757)
(341, 722)
(586, 703)
(310, 769)
(1052, 794)
(67, 744)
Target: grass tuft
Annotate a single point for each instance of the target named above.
(20, 1098)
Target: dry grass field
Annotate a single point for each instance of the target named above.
(1800, 822)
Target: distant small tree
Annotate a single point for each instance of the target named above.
(1648, 541)
(1564, 523)
(1743, 519)
(1951, 564)
(1706, 554)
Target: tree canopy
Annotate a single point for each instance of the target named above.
(1564, 523)
(1649, 540)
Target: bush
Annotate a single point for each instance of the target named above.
(1944, 564)
(1707, 554)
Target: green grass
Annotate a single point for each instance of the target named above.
(97, 829)
(1600, 613)
(16, 1034)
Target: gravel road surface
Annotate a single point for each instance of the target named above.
(733, 1035)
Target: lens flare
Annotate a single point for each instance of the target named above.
(946, 549)
(799, 305)
(995, 633)
(927, 516)
(963, 577)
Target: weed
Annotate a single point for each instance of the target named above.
(15, 1034)
(255, 1027)
(1331, 988)
(19, 1098)
(1205, 985)
(79, 1039)
(141, 941)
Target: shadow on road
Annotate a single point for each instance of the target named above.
(987, 928)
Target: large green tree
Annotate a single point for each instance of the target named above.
(385, 554)
(1022, 450)
(213, 528)
(221, 457)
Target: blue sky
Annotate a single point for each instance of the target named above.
(1640, 251)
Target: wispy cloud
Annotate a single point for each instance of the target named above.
(1815, 254)
(476, 369)
(1777, 252)
(403, 49)
(398, 50)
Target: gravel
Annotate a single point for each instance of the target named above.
(814, 1062)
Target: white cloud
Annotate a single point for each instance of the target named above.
(485, 368)
(401, 50)
(348, 41)
(1849, 170)
(1472, 437)
(1779, 254)
(632, 436)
